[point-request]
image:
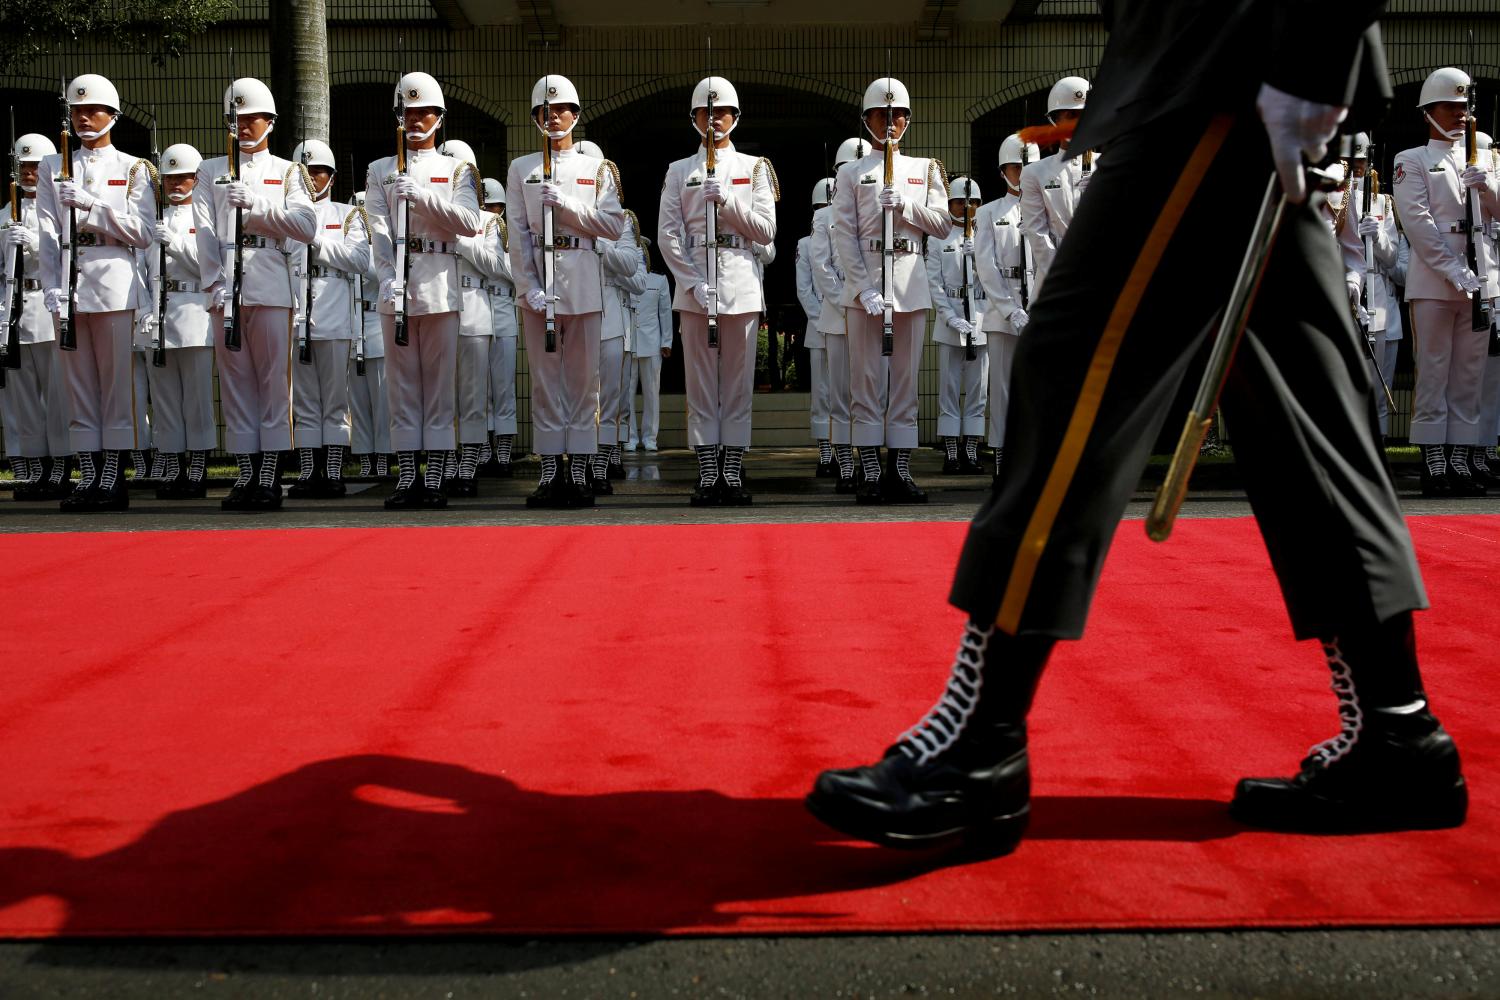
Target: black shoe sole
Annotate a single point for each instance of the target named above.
(989, 838)
(1313, 814)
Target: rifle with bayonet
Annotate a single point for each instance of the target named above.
(1474, 224)
(304, 340)
(67, 337)
(888, 241)
(158, 335)
(966, 265)
(358, 280)
(10, 344)
(401, 224)
(549, 234)
(711, 214)
(1370, 190)
(233, 335)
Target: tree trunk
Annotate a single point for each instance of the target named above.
(299, 72)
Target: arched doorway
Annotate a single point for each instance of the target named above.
(363, 126)
(796, 130)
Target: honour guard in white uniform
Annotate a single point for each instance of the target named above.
(1002, 259)
(182, 390)
(320, 379)
(719, 297)
(479, 263)
(254, 218)
(1487, 474)
(813, 339)
(434, 200)
(652, 308)
(94, 216)
(885, 294)
(623, 268)
(1051, 187)
(368, 405)
(1431, 186)
(502, 377)
(35, 398)
(963, 362)
(573, 197)
(829, 281)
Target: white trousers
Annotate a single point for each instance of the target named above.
(958, 376)
(1386, 351)
(101, 385)
(503, 385)
(817, 363)
(838, 387)
(611, 390)
(564, 384)
(35, 402)
(893, 424)
(1001, 349)
(255, 382)
(645, 371)
(140, 361)
(1450, 359)
(420, 381)
(720, 382)
(370, 409)
(320, 395)
(1489, 397)
(472, 392)
(182, 400)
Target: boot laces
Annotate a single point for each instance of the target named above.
(941, 727)
(246, 470)
(1351, 716)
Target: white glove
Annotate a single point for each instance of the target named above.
(52, 299)
(1353, 286)
(700, 292)
(1475, 177)
(1297, 129)
(239, 195)
(967, 246)
(1019, 318)
(163, 234)
(1462, 278)
(407, 189)
(960, 326)
(72, 194)
(391, 290)
(146, 323)
(20, 236)
(536, 300)
(220, 297)
(890, 197)
(1363, 317)
(713, 191)
(1369, 226)
(552, 195)
(873, 303)
(1084, 176)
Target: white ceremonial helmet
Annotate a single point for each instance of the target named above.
(459, 150)
(1446, 84)
(494, 191)
(552, 89)
(1482, 141)
(1013, 150)
(886, 91)
(822, 192)
(724, 96)
(32, 146)
(588, 148)
(315, 153)
(91, 88)
(359, 198)
(851, 150)
(418, 90)
(248, 96)
(1070, 93)
(963, 189)
(180, 158)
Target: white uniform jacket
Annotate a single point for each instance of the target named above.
(186, 322)
(653, 316)
(945, 283)
(276, 230)
(1430, 199)
(449, 210)
(1381, 301)
(591, 210)
(368, 287)
(36, 321)
(807, 293)
(501, 287)
(747, 217)
(343, 251)
(858, 226)
(109, 233)
(1050, 189)
(481, 261)
(826, 276)
(1000, 259)
(622, 268)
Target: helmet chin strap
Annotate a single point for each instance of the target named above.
(718, 136)
(1453, 136)
(881, 138)
(555, 135)
(91, 136)
(29, 190)
(415, 136)
(178, 197)
(246, 145)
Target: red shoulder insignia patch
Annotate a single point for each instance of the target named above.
(1400, 172)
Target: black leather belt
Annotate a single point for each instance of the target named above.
(172, 285)
(900, 245)
(415, 244)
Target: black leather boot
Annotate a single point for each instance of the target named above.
(1391, 767)
(961, 775)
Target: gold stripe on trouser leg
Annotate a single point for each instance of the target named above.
(1086, 409)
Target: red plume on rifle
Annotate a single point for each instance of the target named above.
(1048, 135)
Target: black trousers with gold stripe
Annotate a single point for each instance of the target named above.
(1133, 294)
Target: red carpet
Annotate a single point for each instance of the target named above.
(608, 729)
